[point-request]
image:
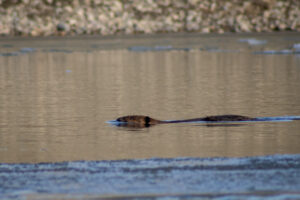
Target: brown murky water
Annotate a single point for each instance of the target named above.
(57, 94)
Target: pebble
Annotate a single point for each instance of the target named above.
(108, 17)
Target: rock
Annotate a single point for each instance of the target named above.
(60, 17)
(60, 27)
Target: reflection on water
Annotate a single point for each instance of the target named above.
(54, 104)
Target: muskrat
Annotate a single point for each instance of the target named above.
(146, 121)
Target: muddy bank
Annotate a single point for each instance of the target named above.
(100, 17)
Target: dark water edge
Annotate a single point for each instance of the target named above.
(268, 177)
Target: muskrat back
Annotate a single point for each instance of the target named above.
(139, 119)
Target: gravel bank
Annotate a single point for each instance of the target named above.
(108, 17)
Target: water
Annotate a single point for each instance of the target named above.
(57, 94)
(177, 178)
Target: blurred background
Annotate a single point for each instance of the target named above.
(106, 17)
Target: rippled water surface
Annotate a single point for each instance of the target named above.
(269, 177)
(57, 94)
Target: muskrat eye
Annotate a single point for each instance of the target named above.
(147, 120)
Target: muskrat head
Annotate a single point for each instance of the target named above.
(138, 119)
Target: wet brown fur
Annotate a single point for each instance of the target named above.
(141, 120)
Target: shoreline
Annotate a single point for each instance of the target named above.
(108, 18)
(140, 36)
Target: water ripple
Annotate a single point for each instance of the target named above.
(274, 176)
